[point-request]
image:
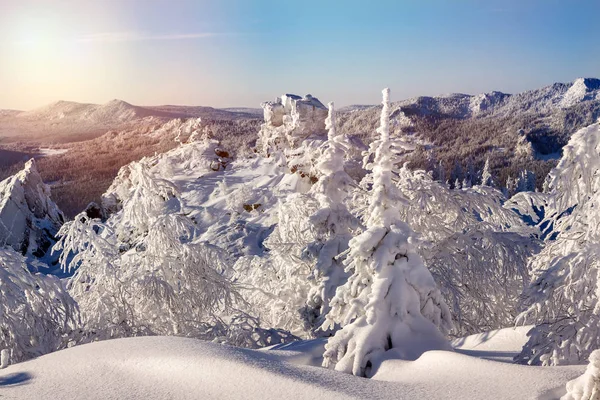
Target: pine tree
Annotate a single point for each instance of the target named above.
(391, 301)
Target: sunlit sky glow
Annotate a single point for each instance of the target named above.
(229, 53)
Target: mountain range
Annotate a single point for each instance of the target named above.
(67, 121)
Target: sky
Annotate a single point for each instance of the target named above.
(229, 53)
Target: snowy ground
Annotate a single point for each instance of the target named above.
(179, 368)
(47, 152)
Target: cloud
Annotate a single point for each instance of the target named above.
(141, 36)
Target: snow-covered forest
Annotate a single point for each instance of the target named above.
(308, 258)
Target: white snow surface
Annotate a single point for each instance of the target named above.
(180, 368)
(48, 152)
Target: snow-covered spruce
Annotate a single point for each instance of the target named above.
(36, 312)
(562, 298)
(390, 303)
(486, 174)
(331, 225)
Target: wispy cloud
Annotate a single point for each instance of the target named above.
(141, 36)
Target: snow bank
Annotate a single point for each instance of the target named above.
(170, 367)
(445, 375)
(499, 345)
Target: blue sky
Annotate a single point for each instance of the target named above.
(239, 53)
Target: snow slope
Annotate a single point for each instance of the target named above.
(218, 201)
(179, 368)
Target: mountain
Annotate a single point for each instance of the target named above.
(29, 219)
(457, 132)
(209, 112)
(119, 111)
(67, 121)
(462, 106)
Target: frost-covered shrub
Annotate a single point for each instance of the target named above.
(276, 285)
(244, 330)
(562, 298)
(482, 274)
(37, 314)
(144, 271)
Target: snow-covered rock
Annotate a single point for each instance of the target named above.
(582, 89)
(289, 120)
(29, 219)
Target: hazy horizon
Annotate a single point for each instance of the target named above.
(237, 54)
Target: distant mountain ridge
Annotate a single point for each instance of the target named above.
(457, 132)
(67, 121)
(459, 105)
(113, 111)
(121, 111)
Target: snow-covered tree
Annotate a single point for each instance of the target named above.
(147, 199)
(525, 182)
(511, 186)
(457, 184)
(457, 174)
(486, 174)
(181, 283)
(390, 302)
(37, 314)
(89, 247)
(562, 298)
(440, 174)
(154, 278)
(331, 224)
(276, 284)
(476, 248)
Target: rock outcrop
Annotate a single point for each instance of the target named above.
(29, 219)
(290, 120)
